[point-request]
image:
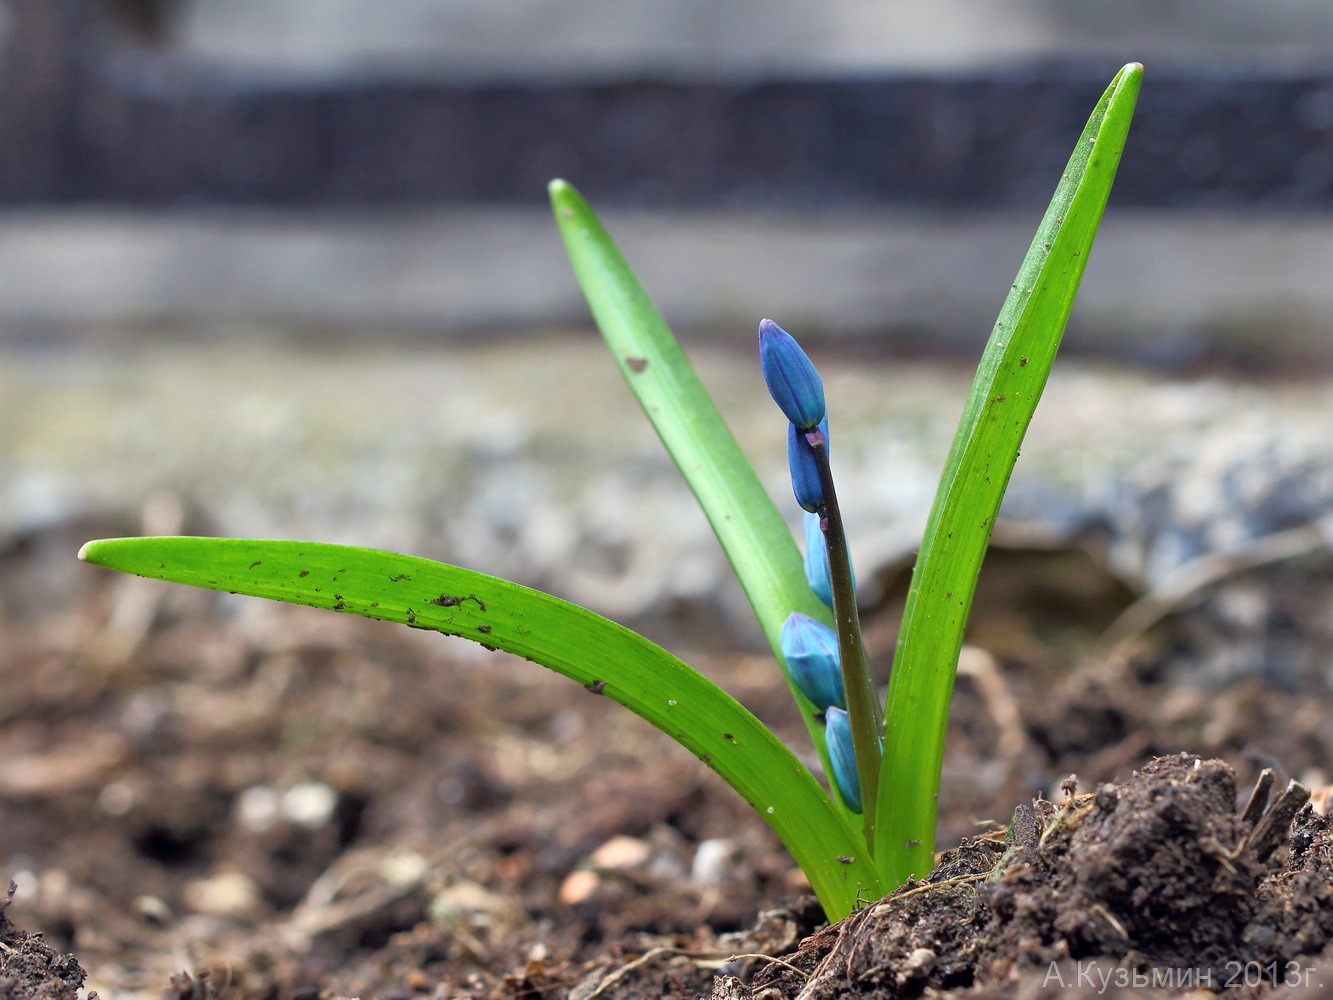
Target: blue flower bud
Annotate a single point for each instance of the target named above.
(811, 650)
(842, 758)
(804, 467)
(816, 561)
(791, 377)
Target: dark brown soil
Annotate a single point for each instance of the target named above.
(1156, 881)
(31, 968)
(204, 796)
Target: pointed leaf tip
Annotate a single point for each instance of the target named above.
(1127, 82)
(565, 199)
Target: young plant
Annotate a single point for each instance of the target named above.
(877, 827)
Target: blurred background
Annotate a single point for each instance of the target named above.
(285, 268)
(861, 168)
(289, 262)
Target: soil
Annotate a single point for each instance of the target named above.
(208, 796)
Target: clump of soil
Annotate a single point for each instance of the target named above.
(1156, 881)
(30, 969)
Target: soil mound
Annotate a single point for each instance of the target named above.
(1157, 882)
(30, 969)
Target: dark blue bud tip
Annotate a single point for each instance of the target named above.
(790, 376)
(804, 467)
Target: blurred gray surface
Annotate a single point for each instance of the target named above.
(1169, 288)
(505, 37)
(529, 459)
(1165, 289)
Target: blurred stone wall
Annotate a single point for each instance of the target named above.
(754, 37)
(1219, 276)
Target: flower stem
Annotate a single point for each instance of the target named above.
(862, 701)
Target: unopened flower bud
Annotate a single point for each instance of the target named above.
(792, 379)
(816, 560)
(842, 758)
(811, 651)
(805, 481)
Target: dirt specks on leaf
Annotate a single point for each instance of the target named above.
(452, 601)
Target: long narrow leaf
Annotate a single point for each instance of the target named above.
(1009, 382)
(752, 532)
(609, 659)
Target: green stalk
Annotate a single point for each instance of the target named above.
(862, 700)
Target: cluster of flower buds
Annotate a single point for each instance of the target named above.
(796, 387)
(810, 647)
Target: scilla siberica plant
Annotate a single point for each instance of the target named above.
(875, 825)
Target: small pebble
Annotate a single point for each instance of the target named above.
(712, 861)
(116, 798)
(153, 910)
(257, 808)
(222, 895)
(566, 725)
(467, 904)
(796, 881)
(403, 868)
(578, 886)
(310, 804)
(621, 852)
(918, 965)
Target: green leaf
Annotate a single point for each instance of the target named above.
(752, 532)
(609, 659)
(1009, 382)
